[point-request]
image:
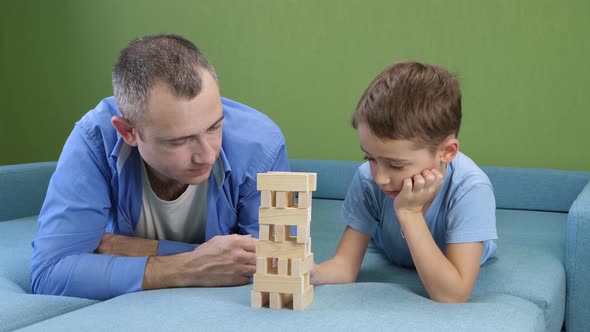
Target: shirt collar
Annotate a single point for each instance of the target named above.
(221, 169)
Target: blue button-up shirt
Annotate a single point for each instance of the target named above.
(96, 188)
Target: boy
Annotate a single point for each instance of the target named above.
(425, 204)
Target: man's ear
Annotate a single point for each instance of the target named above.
(125, 129)
(449, 149)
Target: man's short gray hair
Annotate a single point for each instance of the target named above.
(170, 59)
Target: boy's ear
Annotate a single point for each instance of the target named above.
(449, 149)
(125, 129)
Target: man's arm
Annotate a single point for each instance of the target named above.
(122, 245)
(222, 261)
(71, 225)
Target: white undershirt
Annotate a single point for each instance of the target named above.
(183, 219)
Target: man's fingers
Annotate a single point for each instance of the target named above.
(246, 242)
(241, 280)
(248, 270)
(245, 257)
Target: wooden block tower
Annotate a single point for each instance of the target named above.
(283, 261)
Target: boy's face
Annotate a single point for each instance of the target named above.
(393, 161)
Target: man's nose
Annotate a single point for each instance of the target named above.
(204, 153)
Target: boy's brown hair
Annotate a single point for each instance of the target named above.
(412, 101)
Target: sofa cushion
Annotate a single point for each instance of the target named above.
(353, 307)
(514, 188)
(529, 263)
(535, 189)
(19, 308)
(15, 243)
(27, 184)
(523, 289)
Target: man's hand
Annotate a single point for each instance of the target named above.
(121, 245)
(418, 191)
(227, 260)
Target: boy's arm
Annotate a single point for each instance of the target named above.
(447, 277)
(346, 263)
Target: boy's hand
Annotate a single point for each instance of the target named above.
(418, 191)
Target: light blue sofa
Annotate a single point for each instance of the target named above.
(540, 278)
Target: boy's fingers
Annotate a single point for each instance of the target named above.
(439, 176)
(429, 176)
(419, 182)
(407, 185)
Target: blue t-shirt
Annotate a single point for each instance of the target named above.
(463, 211)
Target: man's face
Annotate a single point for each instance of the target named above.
(181, 138)
(393, 161)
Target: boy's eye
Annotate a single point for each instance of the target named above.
(398, 167)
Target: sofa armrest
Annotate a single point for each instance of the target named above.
(23, 188)
(577, 263)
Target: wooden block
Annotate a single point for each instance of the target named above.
(304, 199)
(286, 181)
(287, 216)
(287, 249)
(279, 300)
(303, 300)
(301, 266)
(266, 200)
(308, 247)
(282, 233)
(259, 299)
(262, 264)
(278, 284)
(281, 199)
(291, 199)
(285, 199)
(302, 234)
(264, 232)
(283, 266)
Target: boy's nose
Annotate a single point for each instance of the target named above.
(381, 177)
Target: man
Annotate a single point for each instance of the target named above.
(147, 176)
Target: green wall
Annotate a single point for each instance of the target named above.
(524, 66)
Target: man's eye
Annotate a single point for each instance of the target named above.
(177, 142)
(215, 128)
